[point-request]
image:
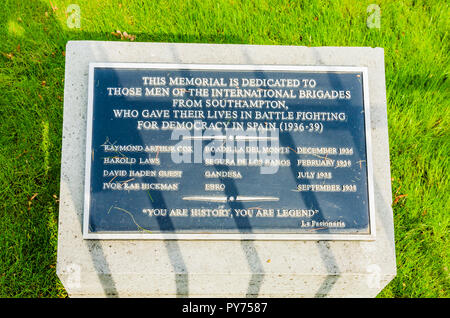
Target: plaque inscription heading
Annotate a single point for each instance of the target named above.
(197, 151)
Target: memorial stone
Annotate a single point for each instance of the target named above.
(224, 171)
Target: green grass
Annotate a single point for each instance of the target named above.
(414, 35)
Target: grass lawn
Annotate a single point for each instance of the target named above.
(414, 35)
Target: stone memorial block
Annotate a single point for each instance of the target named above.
(224, 171)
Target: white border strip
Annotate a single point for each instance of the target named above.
(230, 236)
(87, 173)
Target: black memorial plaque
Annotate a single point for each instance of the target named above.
(222, 151)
